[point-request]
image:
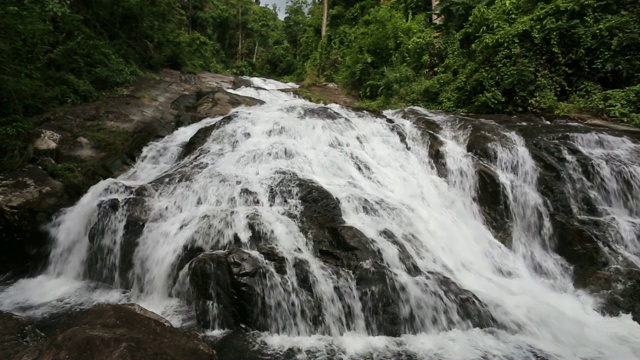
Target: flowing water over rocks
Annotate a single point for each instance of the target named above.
(295, 230)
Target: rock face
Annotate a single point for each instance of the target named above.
(16, 336)
(27, 198)
(75, 147)
(107, 332)
(227, 288)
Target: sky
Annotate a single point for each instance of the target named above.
(280, 3)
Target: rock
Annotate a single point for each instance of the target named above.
(219, 102)
(102, 266)
(429, 130)
(45, 143)
(209, 80)
(200, 138)
(240, 81)
(119, 332)
(494, 203)
(227, 289)
(16, 335)
(382, 300)
(320, 112)
(320, 219)
(28, 198)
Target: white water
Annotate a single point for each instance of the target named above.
(381, 186)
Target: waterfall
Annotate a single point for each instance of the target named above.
(358, 235)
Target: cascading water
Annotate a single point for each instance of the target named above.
(356, 240)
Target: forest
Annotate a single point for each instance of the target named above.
(474, 56)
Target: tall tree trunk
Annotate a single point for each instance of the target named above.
(255, 52)
(435, 17)
(324, 18)
(239, 31)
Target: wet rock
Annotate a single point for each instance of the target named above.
(380, 299)
(211, 282)
(405, 257)
(320, 112)
(220, 102)
(494, 204)
(240, 81)
(16, 335)
(120, 332)
(186, 107)
(624, 295)
(200, 138)
(227, 288)
(383, 300)
(421, 120)
(469, 308)
(321, 221)
(105, 238)
(28, 198)
(577, 243)
(429, 129)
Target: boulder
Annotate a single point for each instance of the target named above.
(107, 332)
(227, 289)
(494, 203)
(383, 303)
(16, 335)
(102, 265)
(240, 81)
(28, 198)
(201, 136)
(219, 102)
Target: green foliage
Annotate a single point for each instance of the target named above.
(486, 56)
(75, 182)
(483, 55)
(63, 52)
(14, 132)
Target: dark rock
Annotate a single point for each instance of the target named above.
(120, 332)
(211, 280)
(577, 243)
(101, 264)
(227, 289)
(380, 300)
(624, 295)
(421, 120)
(405, 257)
(320, 112)
(200, 138)
(219, 102)
(16, 335)
(28, 199)
(185, 103)
(239, 82)
(494, 203)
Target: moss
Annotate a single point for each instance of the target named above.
(108, 140)
(69, 175)
(312, 96)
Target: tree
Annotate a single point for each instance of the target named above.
(324, 18)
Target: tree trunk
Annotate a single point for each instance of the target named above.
(239, 31)
(324, 18)
(435, 17)
(255, 53)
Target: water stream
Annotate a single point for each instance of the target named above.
(387, 182)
